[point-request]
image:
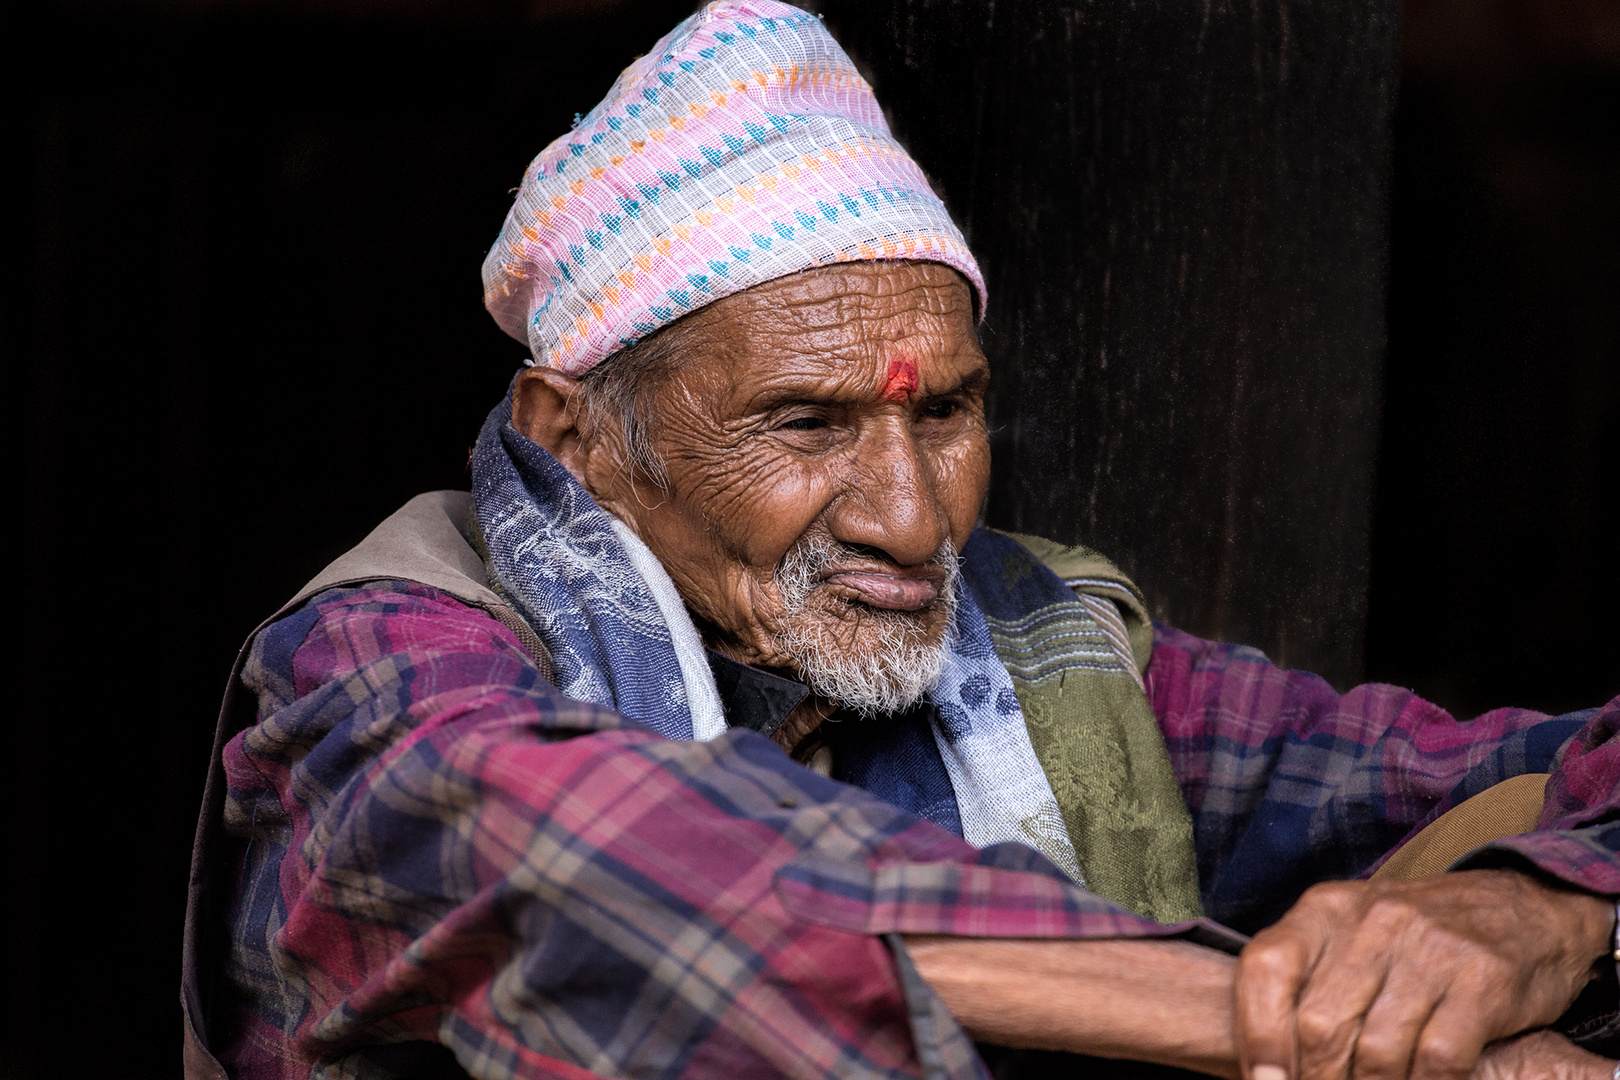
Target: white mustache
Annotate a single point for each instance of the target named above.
(892, 672)
(809, 561)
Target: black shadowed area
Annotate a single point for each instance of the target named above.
(241, 323)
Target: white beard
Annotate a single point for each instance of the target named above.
(897, 668)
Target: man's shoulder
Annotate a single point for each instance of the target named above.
(1081, 568)
(1065, 560)
(432, 540)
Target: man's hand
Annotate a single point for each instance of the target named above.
(1540, 1055)
(1376, 980)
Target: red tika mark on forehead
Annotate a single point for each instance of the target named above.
(901, 381)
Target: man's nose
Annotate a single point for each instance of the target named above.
(890, 501)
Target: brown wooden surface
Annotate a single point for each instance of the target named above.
(1181, 212)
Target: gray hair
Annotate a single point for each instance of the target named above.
(623, 387)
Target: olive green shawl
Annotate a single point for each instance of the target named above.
(1077, 656)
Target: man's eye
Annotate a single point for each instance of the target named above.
(941, 410)
(805, 423)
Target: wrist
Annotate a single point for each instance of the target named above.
(1542, 1054)
(1166, 1002)
(1588, 922)
(1599, 938)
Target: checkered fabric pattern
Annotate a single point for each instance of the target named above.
(1290, 782)
(439, 854)
(438, 847)
(742, 148)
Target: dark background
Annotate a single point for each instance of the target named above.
(241, 323)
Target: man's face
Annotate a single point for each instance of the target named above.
(825, 447)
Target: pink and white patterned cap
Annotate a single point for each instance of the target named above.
(744, 147)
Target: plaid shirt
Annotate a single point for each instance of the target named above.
(436, 847)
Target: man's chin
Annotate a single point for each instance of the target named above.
(871, 661)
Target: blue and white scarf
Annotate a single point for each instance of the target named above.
(619, 637)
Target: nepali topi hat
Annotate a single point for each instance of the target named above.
(743, 148)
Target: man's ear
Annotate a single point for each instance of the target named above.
(546, 407)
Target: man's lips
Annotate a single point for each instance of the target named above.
(896, 591)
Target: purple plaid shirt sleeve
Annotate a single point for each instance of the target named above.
(436, 847)
(440, 854)
(1291, 783)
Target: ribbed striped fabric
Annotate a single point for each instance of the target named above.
(743, 147)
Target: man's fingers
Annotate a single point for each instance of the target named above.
(1272, 969)
(1450, 1044)
(1389, 1035)
(1333, 1009)
(1410, 980)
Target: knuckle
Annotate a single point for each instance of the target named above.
(1333, 905)
(1441, 1054)
(1392, 911)
(1268, 963)
(1327, 893)
(1266, 955)
(1317, 1027)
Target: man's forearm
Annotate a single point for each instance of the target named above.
(1168, 1002)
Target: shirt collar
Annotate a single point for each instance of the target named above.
(753, 697)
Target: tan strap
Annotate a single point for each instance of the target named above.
(1507, 809)
(430, 540)
(526, 636)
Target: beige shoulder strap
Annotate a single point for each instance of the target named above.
(428, 540)
(1506, 809)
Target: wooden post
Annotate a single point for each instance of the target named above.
(1181, 210)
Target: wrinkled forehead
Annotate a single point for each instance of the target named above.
(860, 303)
(870, 330)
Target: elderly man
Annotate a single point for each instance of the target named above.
(712, 736)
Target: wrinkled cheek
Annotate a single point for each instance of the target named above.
(963, 480)
(763, 511)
